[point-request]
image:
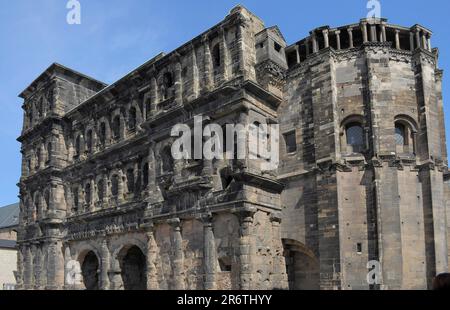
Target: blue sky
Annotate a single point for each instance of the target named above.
(115, 36)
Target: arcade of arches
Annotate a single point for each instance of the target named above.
(302, 268)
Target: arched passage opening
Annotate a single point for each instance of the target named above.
(302, 266)
(133, 268)
(89, 270)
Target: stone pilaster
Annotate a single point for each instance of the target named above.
(152, 252)
(210, 255)
(178, 255)
(28, 272)
(247, 251)
(208, 65)
(279, 276)
(178, 84)
(104, 265)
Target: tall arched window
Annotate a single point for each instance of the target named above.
(47, 199)
(100, 190)
(49, 152)
(116, 127)
(145, 175)
(115, 185)
(167, 160)
(216, 56)
(102, 134)
(167, 85)
(87, 194)
(354, 134)
(132, 118)
(405, 135)
(400, 134)
(130, 180)
(78, 146)
(76, 201)
(89, 143)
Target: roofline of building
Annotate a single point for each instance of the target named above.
(49, 71)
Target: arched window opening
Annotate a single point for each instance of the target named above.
(102, 134)
(404, 137)
(100, 190)
(400, 135)
(78, 146)
(132, 119)
(216, 56)
(87, 194)
(115, 185)
(167, 85)
(145, 175)
(47, 199)
(49, 153)
(130, 180)
(89, 270)
(89, 144)
(76, 201)
(167, 160)
(354, 133)
(116, 127)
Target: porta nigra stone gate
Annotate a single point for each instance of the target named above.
(362, 173)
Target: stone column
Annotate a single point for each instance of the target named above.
(364, 32)
(120, 187)
(209, 253)
(241, 46)
(325, 38)
(153, 92)
(429, 42)
(373, 33)
(38, 264)
(105, 189)
(338, 39)
(55, 267)
(28, 272)
(178, 84)
(105, 265)
(152, 272)
(350, 37)
(208, 66)
(279, 279)
(383, 32)
(92, 194)
(246, 255)
(411, 41)
(424, 41)
(178, 255)
(418, 38)
(297, 55)
(397, 39)
(307, 47)
(195, 75)
(20, 265)
(314, 42)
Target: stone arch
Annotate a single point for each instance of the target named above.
(129, 260)
(302, 266)
(103, 132)
(90, 267)
(405, 134)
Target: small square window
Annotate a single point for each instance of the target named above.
(277, 47)
(291, 142)
(359, 248)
